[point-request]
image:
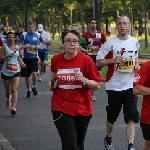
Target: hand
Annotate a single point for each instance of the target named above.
(51, 86)
(90, 45)
(23, 65)
(37, 47)
(118, 60)
(79, 76)
(136, 68)
(27, 45)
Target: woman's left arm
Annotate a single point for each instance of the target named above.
(89, 83)
(21, 62)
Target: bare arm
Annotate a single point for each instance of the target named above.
(89, 83)
(106, 62)
(141, 90)
(21, 62)
(52, 76)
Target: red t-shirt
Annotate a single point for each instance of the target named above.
(71, 96)
(1, 42)
(98, 38)
(143, 79)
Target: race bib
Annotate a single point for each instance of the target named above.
(93, 50)
(11, 67)
(32, 49)
(98, 35)
(127, 65)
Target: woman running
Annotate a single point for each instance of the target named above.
(11, 70)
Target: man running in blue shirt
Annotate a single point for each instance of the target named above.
(30, 41)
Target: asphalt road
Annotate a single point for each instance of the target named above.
(33, 129)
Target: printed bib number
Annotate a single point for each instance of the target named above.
(93, 51)
(127, 65)
(12, 67)
(32, 49)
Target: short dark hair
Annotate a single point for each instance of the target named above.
(64, 33)
(91, 20)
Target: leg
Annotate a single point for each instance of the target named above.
(147, 145)
(34, 78)
(7, 88)
(131, 115)
(41, 65)
(81, 127)
(146, 134)
(110, 127)
(27, 82)
(130, 131)
(113, 109)
(65, 125)
(14, 87)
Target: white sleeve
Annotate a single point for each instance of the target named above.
(104, 50)
(48, 37)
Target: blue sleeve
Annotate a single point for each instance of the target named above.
(21, 39)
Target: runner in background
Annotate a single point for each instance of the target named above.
(83, 46)
(11, 71)
(43, 51)
(3, 37)
(95, 39)
(30, 42)
(18, 32)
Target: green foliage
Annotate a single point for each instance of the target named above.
(144, 50)
(104, 71)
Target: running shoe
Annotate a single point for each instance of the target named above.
(38, 72)
(8, 102)
(29, 94)
(108, 144)
(35, 92)
(40, 78)
(13, 111)
(93, 97)
(130, 147)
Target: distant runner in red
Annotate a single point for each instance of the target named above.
(94, 39)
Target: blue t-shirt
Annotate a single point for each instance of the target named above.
(32, 39)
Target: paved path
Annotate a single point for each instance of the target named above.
(33, 129)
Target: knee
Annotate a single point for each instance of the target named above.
(147, 145)
(13, 91)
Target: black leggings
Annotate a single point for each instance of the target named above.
(72, 129)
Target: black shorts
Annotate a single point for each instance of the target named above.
(4, 77)
(115, 101)
(41, 55)
(94, 60)
(145, 130)
(31, 66)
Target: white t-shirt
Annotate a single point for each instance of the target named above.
(45, 37)
(120, 77)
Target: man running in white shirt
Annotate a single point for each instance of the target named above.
(43, 50)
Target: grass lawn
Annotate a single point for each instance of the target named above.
(144, 50)
(104, 71)
(49, 58)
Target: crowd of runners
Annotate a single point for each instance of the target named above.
(74, 76)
